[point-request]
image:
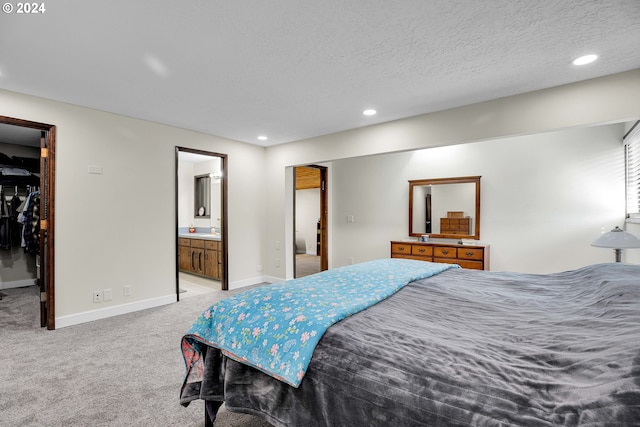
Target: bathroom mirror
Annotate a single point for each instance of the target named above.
(445, 207)
(202, 196)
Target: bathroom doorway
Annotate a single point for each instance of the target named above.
(201, 222)
(310, 220)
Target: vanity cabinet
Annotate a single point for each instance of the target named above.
(212, 259)
(196, 261)
(200, 256)
(184, 254)
(466, 256)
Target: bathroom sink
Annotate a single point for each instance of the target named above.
(206, 235)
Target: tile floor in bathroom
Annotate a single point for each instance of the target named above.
(195, 285)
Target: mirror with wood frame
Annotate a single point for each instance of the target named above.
(202, 196)
(447, 208)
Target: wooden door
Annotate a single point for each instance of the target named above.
(184, 254)
(211, 264)
(47, 263)
(197, 260)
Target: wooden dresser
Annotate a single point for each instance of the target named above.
(466, 256)
(455, 223)
(455, 226)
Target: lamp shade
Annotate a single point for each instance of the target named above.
(617, 239)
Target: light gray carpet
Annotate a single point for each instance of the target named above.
(122, 371)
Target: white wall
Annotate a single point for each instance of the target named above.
(544, 198)
(307, 216)
(185, 194)
(118, 228)
(452, 197)
(609, 99)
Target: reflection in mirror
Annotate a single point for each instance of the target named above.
(202, 196)
(445, 207)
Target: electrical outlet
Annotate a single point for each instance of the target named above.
(350, 260)
(97, 296)
(126, 290)
(277, 262)
(108, 295)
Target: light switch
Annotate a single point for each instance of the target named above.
(350, 218)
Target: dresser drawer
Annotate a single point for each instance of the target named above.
(409, 256)
(212, 245)
(474, 265)
(470, 253)
(421, 250)
(197, 243)
(401, 248)
(444, 252)
(447, 260)
(474, 256)
(184, 241)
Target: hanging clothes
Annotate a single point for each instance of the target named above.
(31, 221)
(15, 227)
(5, 224)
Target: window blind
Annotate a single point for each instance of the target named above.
(632, 155)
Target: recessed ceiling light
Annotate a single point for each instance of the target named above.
(369, 112)
(262, 138)
(584, 60)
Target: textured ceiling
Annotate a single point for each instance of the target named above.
(296, 69)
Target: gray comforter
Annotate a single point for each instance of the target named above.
(463, 348)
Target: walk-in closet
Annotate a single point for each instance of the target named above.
(20, 226)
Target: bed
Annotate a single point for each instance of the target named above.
(458, 348)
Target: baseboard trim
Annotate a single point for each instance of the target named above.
(116, 310)
(253, 281)
(17, 284)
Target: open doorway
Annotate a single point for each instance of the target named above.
(201, 222)
(27, 159)
(310, 220)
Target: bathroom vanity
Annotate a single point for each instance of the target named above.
(201, 255)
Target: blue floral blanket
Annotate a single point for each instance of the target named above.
(275, 328)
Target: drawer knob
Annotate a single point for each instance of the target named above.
(445, 251)
(421, 250)
(468, 253)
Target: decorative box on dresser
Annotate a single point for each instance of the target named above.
(466, 256)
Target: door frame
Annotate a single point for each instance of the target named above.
(47, 216)
(324, 215)
(224, 241)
